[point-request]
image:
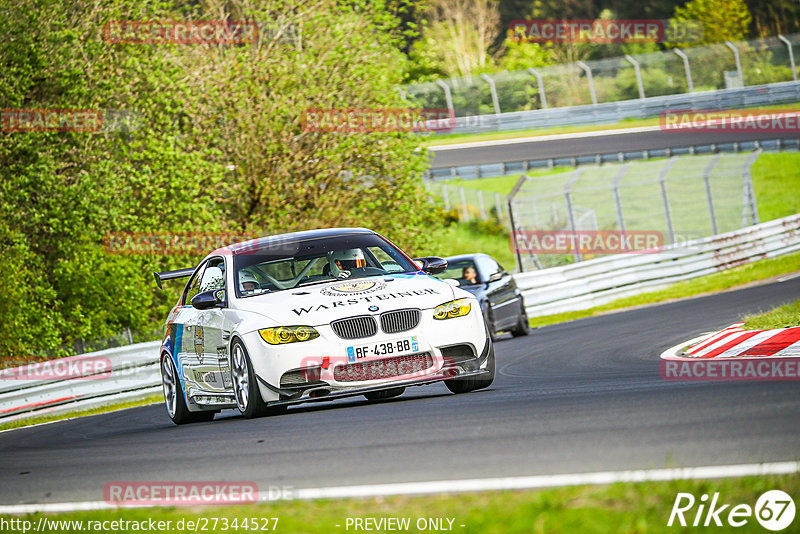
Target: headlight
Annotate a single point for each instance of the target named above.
(454, 308)
(287, 334)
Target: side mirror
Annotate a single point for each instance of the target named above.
(432, 264)
(495, 277)
(208, 299)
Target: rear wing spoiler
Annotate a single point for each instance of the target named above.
(172, 275)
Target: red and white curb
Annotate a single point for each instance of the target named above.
(736, 342)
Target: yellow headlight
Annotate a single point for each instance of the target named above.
(287, 334)
(454, 308)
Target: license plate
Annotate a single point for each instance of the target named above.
(396, 347)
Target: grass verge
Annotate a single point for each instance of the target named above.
(642, 507)
(35, 420)
(738, 276)
(470, 237)
(775, 175)
(780, 317)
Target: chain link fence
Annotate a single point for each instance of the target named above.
(682, 198)
(677, 71)
(470, 203)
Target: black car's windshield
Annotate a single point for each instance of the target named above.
(287, 265)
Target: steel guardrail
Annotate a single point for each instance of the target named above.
(128, 373)
(598, 281)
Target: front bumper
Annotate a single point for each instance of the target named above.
(458, 347)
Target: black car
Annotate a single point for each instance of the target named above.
(495, 289)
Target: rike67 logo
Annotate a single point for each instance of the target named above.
(774, 510)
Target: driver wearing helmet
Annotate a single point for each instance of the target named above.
(343, 261)
(248, 283)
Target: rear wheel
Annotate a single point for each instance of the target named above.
(523, 327)
(173, 396)
(245, 385)
(384, 394)
(464, 385)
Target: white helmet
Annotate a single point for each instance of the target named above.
(344, 261)
(247, 277)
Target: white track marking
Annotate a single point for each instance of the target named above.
(788, 277)
(471, 485)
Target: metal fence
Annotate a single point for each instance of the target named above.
(705, 68)
(598, 281)
(682, 197)
(611, 112)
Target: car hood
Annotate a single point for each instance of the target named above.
(322, 303)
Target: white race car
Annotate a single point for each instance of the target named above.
(315, 316)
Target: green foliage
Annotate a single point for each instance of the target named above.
(521, 55)
(218, 145)
(721, 19)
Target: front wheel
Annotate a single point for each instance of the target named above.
(523, 326)
(245, 385)
(173, 396)
(488, 318)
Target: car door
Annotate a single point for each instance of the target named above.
(206, 334)
(500, 292)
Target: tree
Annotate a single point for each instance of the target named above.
(721, 20)
(460, 33)
(219, 146)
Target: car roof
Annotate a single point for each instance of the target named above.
(324, 233)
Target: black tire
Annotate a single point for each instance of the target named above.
(384, 394)
(465, 385)
(523, 326)
(488, 318)
(245, 383)
(174, 396)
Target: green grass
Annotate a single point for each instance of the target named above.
(500, 184)
(466, 238)
(780, 317)
(450, 139)
(642, 507)
(776, 180)
(720, 281)
(112, 407)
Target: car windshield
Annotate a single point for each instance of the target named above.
(464, 271)
(278, 266)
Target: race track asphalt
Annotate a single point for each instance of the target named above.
(576, 397)
(581, 146)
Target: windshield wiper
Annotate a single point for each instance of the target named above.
(314, 282)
